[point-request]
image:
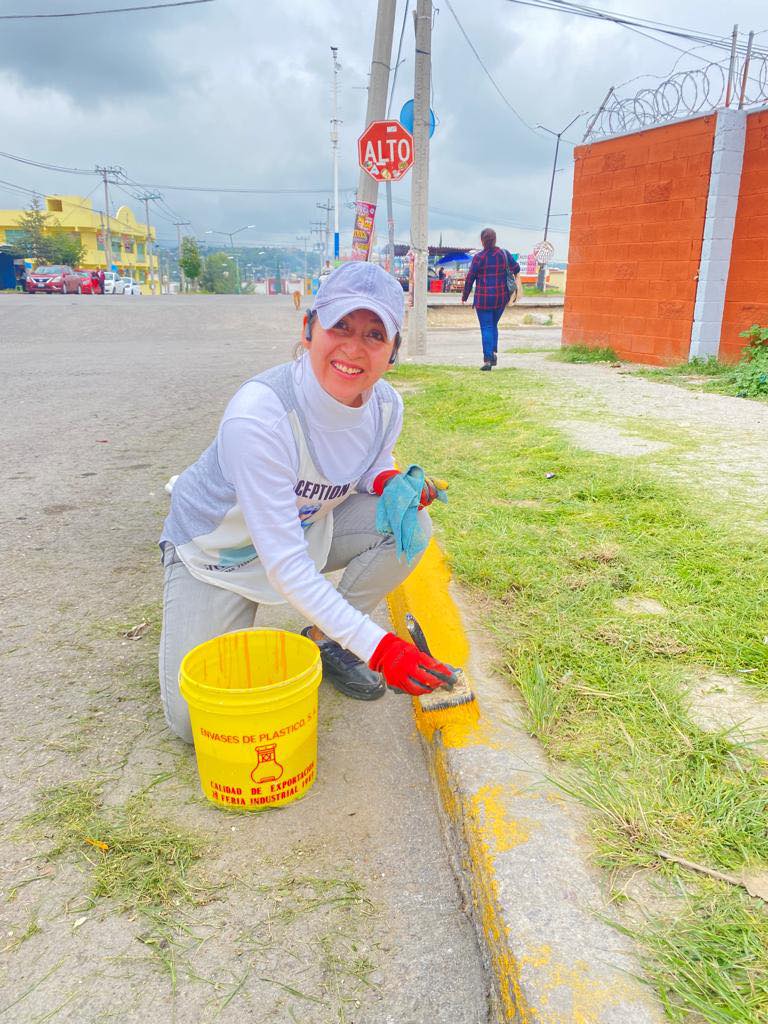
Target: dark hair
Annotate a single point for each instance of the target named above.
(488, 238)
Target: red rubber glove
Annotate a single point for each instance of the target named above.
(428, 491)
(405, 667)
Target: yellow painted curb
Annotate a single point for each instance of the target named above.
(426, 595)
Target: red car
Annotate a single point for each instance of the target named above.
(89, 282)
(57, 278)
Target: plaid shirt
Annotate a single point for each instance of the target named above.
(489, 270)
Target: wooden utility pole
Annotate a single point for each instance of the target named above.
(145, 198)
(417, 320)
(105, 173)
(179, 224)
(378, 86)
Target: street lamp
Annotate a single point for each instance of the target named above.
(231, 236)
(542, 266)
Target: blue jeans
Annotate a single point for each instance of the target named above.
(489, 331)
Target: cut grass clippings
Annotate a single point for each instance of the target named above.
(551, 538)
(136, 859)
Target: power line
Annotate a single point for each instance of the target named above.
(493, 81)
(178, 188)
(109, 10)
(47, 167)
(627, 21)
(473, 217)
(243, 191)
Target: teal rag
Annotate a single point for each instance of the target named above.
(396, 512)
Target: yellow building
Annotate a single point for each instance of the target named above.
(131, 244)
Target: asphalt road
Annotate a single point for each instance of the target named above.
(341, 907)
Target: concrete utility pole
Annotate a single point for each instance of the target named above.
(335, 147)
(388, 186)
(179, 224)
(367, 188)
(105, 172)
(145, 198)
(417, 320)
(327, 206)
(541, 278)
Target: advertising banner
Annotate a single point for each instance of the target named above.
(362, 235)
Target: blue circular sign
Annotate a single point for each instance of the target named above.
(406, 118)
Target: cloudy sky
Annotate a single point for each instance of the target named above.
(238, 93)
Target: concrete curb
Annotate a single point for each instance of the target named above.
(518, 845)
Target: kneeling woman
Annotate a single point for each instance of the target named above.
(288, 491)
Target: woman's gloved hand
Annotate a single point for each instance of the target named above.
(428, 492)
(406, 668)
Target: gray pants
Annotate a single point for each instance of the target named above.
(194, 612)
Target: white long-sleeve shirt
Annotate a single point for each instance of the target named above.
(255, 513)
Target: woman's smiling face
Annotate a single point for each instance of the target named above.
(348, 358)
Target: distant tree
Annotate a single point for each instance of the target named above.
(218, 274)
(190, 260)
(45, 241)
(65, 247)
(33, 241)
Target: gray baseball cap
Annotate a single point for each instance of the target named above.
(359, 285)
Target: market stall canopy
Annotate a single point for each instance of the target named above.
(454, 257)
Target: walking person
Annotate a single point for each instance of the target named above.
(297, 483)
(490, 271)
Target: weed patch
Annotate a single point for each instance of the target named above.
(747, 379)
(584, 354)
(573, 554)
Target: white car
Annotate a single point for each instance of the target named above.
(110, 283)
(127, 286)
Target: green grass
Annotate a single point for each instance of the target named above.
(604, 688)
(533, 292)
(584, 354)
(707, 375)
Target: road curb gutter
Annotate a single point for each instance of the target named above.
(537, 903)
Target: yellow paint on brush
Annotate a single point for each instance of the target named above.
(459, 724)
(425, 594)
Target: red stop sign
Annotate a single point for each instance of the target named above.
(385, 150)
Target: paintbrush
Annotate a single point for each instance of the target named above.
(451, 703)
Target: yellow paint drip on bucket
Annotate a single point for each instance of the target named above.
(252, 699)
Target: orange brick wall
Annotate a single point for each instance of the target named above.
(639, 204)
(746, 301)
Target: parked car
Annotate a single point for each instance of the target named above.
(110, 283)
(127, 286)
(89, 282)
(432, 275)
(55, 278)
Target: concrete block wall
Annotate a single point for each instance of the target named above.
(746, 298)
(637, 227)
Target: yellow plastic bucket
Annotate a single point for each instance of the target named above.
(252, 699)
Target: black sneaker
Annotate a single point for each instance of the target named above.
(494, 359)
(487, 366)
(346, 672)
